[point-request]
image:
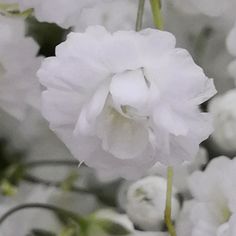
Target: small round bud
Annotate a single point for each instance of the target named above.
(146, 203)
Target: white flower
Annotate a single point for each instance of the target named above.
(182, 172)
(212, 212)
(230, 42)
(121, 102)
(211, 8)
(146, 203)
(224, 115)
(19, 86)
(65, 13)
(112, 14)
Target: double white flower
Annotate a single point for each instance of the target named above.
(123, 101)
(223, 111)
(213, 210)
(19, 87)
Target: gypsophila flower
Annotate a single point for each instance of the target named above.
(112, 14)
(211, 8)
(19, 86)
(67, 12)
(212, 211)
(146, 203)
(121, 102)
(230, 42)
(223, 111)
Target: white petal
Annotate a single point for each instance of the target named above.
(129, 89)
(89, 113)
(123, 137)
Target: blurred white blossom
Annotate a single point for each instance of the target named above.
(112, 14)
(223, 111)
(19, 86)
(231, 39)
(112, 99)
(212, 211)
(146, 203)
(211, 8)
(65, 13)
(28, 219)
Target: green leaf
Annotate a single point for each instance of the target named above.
(13, 10)
(113, 228)
(7, 188)
(69, 181)
(70, 231)
(14, 173)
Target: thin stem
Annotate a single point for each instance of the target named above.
(156, 14)
(34, 164)
(168, 221)
(35, 180)
(139, 20)
(58, 210)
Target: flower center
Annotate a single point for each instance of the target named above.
(226, 214)
(130, 93)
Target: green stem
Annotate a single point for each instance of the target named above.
(168, 221)
(35, 180)
(139, 20)
(35, 164)
(71, 215)
(156, 14)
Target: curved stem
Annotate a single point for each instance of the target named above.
(77, 219)
(156, 13)
(139, 20)
(35, 180)
(35, 164)
(168, 221)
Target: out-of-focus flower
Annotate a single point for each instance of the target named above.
(210, 7)
(204, 40)
(28, 219)
(67, 12)
(146, 203)
(224, 115)
(40, 219)
(232, 49)
(112, 14)
(112, 98)
(212, 211)
(19, 86)
(182, 172)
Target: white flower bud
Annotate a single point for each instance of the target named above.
(146, 203)
(224, 115)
